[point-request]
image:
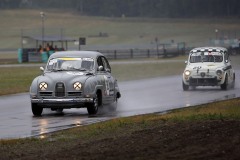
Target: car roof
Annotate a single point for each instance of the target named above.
(92, 54)
(209, 49)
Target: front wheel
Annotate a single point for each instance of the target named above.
(185, 87)
(92, 108)
(36, 110)
(225, 84)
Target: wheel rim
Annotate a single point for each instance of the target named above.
(95, 106)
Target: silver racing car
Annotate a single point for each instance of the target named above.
(74, 79)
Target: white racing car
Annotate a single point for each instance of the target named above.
(208, 66)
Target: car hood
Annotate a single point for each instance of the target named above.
(204, 66)
(67, 77)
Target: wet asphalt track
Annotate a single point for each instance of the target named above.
(138, 97)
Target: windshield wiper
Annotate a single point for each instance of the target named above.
(78, 69)
(56, 70)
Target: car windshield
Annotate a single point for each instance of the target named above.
(69, 64)
(199, 57)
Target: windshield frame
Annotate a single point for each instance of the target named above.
(70, 64)
(206, 57)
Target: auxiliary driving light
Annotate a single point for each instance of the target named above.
(77, 86)
(43, 86)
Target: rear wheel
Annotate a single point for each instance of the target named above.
(36, 110)
(113, 106)
(233, 83)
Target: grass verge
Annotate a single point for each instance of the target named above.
(71, 142)
(17, 79)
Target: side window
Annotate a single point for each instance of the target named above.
(226, 56)
(106, 65)
(99, 61)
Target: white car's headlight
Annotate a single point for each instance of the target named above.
(187, 72)
(77, 86)
(43, 86)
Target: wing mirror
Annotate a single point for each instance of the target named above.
(42, 69)
(100, 68)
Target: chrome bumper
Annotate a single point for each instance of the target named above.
(74, 100)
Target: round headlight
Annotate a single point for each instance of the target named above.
(219, 72)
(43, 86)
(187, 72)
(77, 86)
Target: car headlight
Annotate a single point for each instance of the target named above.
(77, 86)
(219, 72)
(187, 72)
(43, 86)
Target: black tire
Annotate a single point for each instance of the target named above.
(185, 87)
(59, 110)
(92, 108)
(233, 83)
(225, 84)
(36, 110)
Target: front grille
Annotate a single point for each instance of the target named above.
(60, 89)
(74, 94)
(203, 81)
(45, 94)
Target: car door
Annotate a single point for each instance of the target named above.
(229, 68)
(108, 80)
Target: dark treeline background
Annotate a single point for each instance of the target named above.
(136, 8)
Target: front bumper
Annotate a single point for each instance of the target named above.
(204, 81)
(62, 102)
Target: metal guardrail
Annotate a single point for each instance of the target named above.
(142, 53)
(30, 55)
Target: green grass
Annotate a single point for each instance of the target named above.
(125, 72)
(194, 32)
(228, 109)
(17, 79)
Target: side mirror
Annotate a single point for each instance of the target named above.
(226, 61)
(42, 69)
(185, 62)
(100, 68)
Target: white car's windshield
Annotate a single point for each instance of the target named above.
(199, 57)
(68, 64)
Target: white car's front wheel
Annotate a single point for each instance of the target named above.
(185, 87)
(225, 84)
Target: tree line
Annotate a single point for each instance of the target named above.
(136, 8)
